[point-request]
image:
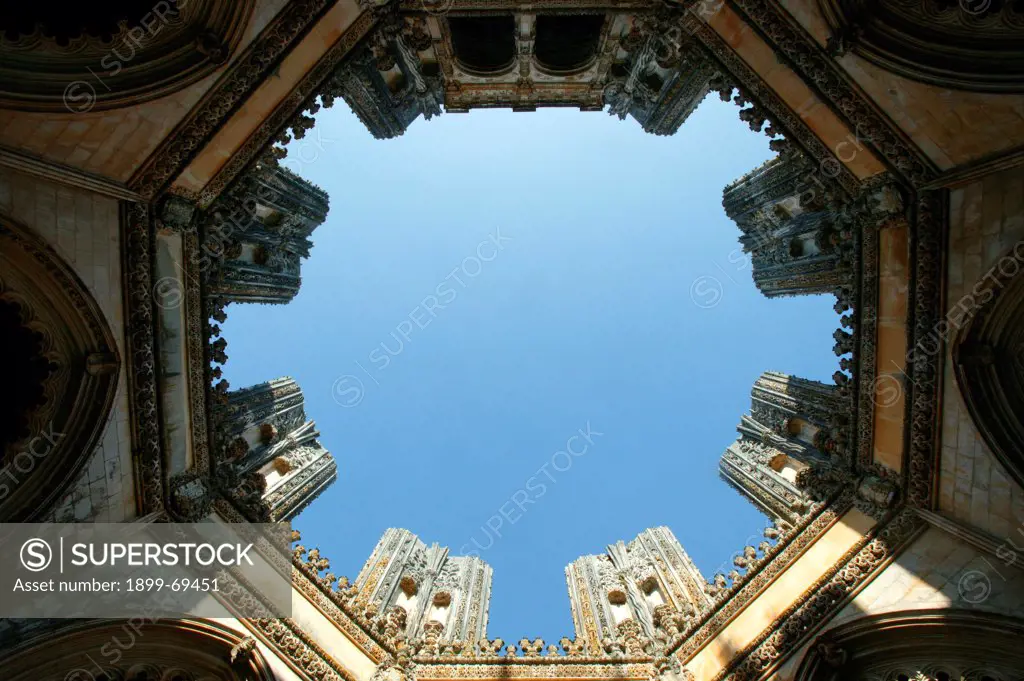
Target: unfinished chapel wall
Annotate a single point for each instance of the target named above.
(986, 221)
(83, 228)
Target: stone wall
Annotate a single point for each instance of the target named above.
(986, 220)
(83, 228)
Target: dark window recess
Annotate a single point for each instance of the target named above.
(619, 70)
(653, 81)
(484, 43)
(23, 372)
(565, 43)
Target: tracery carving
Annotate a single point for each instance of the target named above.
(69, 362)
(987, 361)
(922, 645)
(214, 652)
(137, 235)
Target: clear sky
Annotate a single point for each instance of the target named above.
(490, 284)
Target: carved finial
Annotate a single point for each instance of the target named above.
(491, 646)
(572, 646)
(532, 648)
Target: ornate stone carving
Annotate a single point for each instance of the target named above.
(137, 235)
(65, 380)
(284, 448)
(191, 498)
(973, 645)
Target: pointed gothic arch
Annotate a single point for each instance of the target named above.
(988, 360)
(130, 650)
(83, 59)
(62, 359)
(938, 644)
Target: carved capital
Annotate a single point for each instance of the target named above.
(177, 213)
(191, 497)
(877, 491)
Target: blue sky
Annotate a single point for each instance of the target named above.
(491, 283)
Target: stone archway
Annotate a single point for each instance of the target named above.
(60, 366)
(988, 360)
(130, 650)
(933, 645)
(87, 58)
(959, 45)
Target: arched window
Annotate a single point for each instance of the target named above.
(60, 365)
(988, 360)
(484, 44)
(934, 645)
(163, 650)
(950, 44)
(567, 43)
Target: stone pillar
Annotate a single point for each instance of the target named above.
(797, 243)
(794, 427)
(425, 592)
(256, 234)
(386, 82)
(635, 590)
(272, 464)
(664, 77)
